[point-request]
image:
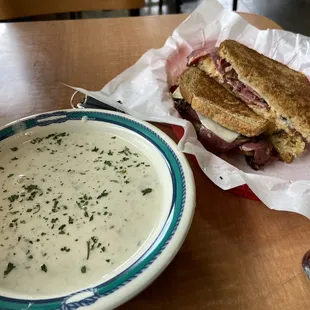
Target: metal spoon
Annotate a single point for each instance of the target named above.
(306, 264)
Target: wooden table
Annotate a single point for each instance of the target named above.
(238, 253)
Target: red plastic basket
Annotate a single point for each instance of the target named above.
(242, 190)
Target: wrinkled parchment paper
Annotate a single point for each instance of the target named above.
(143, 90)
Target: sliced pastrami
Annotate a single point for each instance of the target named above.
(258, 153)
(230, 76)
(258, 150)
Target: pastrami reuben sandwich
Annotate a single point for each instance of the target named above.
(271, 89)
(223, 122)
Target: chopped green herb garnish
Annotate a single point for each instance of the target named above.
(44, 268)
(56, 136)
(125, 151)
(146, 191)
(38, 208)
(88, 249)
(14, 149)
(50, 136)
(31, 188)
(8, 269)
(94, 239)
(95, 149)
(36, 140)
(83, 269)
(13, 197)
(103, 194)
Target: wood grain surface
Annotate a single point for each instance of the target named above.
(238, 253)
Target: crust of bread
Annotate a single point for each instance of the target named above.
(212, 100)
(286, 91)
(207, 65)
(287, 146)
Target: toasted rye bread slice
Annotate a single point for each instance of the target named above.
(287, 146)
(207, 65)
(286, 91)
(212, 100)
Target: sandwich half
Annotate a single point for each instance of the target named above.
(222, 121)
(271, 89)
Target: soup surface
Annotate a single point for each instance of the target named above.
(73, 208)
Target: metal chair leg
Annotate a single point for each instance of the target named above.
(235, 5)
(72, 15)
(178, 6)
(134, 12)
(160, 7)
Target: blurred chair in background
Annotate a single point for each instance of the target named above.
(178, 4)
(10, 9)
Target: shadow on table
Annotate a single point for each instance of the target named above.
(237, 252)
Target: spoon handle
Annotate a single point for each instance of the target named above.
(306, 264)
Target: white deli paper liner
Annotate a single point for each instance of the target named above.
(143, 90)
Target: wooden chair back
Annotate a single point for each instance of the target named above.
(10, 9)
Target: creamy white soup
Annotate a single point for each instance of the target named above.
(72, 209)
